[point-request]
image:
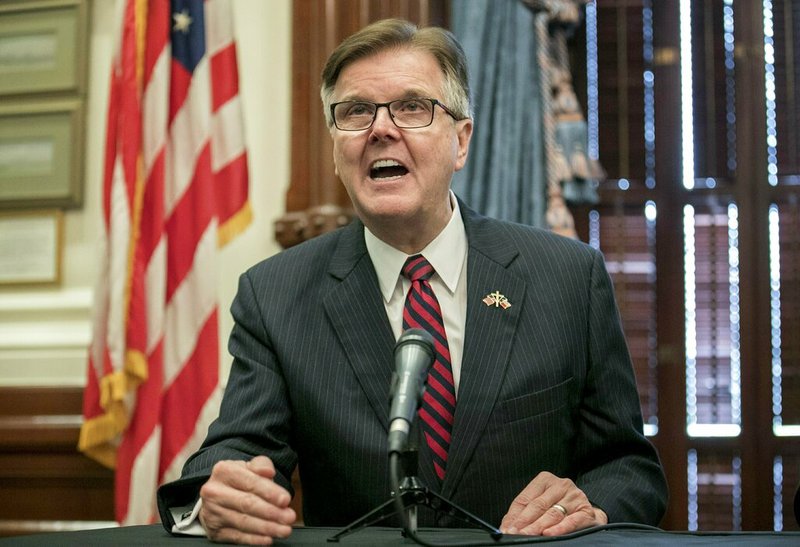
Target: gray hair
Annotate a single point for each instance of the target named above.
(390, 33)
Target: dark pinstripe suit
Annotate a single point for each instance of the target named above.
(546, 384)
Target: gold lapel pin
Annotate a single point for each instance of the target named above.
(497, 300)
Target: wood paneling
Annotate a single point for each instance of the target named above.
(45, 483)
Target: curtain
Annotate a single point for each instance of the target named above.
(505, 174)
(528, 154)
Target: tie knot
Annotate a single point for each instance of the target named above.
(417, 268)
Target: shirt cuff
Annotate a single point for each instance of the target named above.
(187, 521)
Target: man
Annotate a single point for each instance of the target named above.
(544, 434)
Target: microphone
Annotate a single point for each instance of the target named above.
(413, 356)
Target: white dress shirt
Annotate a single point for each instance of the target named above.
(447, 253)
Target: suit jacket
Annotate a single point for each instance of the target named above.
(546, 384)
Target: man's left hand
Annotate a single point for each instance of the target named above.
(551, 506)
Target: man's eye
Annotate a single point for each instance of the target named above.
(359, 109)
(411, 106)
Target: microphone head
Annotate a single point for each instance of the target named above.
(413, 357)
(418, 337)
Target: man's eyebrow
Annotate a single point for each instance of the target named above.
(415, 93)
(408, 94)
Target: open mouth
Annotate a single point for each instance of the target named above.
(387, 170)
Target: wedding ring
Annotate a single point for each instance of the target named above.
(561, 508)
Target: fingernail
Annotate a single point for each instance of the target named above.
(512, 530)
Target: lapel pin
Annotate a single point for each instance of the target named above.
(497, 300)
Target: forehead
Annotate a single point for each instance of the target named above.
(390, 74)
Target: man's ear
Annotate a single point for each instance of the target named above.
(464, 134)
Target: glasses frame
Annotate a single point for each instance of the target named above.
(434, 102)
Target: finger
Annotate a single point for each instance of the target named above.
(549, 518)
(239, 476)
(542, 507)
(532, 491)
(571, 523)
(219, 520)
(262, 465)
(219, 494)
(248, 504)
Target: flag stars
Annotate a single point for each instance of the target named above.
(182, 21)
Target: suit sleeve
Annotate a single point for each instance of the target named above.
(255, 414)
(618, 467)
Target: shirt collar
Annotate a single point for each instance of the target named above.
(446, 253)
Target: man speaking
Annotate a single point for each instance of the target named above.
(530, 418)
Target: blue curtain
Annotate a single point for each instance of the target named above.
(505, 174)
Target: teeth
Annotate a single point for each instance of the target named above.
(385, 163)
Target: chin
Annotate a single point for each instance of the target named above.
(388, 213)
(391, 205)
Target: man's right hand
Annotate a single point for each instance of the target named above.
(243, 504)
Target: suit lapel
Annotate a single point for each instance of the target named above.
(489, 336)
(355, 310)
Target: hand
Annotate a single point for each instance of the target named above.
(535, 511)
(242, 503)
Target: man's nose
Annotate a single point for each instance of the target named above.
(383, 121)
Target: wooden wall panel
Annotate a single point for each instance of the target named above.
(45, 483)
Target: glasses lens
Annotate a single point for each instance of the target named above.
(353, 115)
(410, 113)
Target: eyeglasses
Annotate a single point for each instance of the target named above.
(405, 113)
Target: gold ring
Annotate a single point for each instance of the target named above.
(560, 508)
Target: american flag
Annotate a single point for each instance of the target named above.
(174, 192)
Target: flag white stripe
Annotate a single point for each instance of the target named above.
(100, 309)
(192, 303)
(155, 101)
(227, 137)
(119, 16)
(120, 229)
(188, 135)
(219, 25)
(142, 493)
(156, 282)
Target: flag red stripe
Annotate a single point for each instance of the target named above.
(188, 222)
(152, 231)
(158, 35)
(91, 404)
(129, 128)
(224, 89)
(178, 89)
(230, 183)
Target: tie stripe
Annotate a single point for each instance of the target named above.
(438, 404)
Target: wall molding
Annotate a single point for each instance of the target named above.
(44, 337)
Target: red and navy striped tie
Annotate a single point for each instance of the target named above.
(439, 402)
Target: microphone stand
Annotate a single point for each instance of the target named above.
(412, 494)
